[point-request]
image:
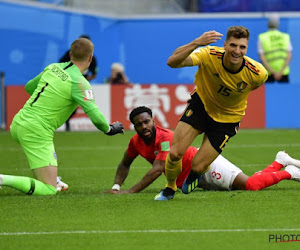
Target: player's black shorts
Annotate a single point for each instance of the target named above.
(218, 133)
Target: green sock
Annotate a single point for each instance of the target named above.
(27, 185)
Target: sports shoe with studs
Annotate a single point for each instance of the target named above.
(165, 195)
(60, 185)
(191, 182)
(294, 172)
(284, 159)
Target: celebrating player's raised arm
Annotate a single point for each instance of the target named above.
(181, 58)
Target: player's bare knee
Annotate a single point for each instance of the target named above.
(199, 168)
(175, 156)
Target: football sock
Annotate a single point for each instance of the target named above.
(274, 167)
(172, 170)
(266, 179)
(27, 185)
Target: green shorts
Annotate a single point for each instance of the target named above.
(39, 149)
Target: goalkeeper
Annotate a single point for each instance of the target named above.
(55, 94)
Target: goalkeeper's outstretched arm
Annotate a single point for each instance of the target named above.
(99, 120)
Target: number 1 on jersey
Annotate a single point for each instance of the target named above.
(38, 95)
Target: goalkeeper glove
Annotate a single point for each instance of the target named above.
(116, 128)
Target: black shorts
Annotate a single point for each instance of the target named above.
(218, 133)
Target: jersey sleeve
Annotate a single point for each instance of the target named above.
(99, 120)
(290, 47)
(197, 56)
(83, 95)
(32, 84)
(259, 47)
(163, 144)
(164, 148)
(131, 150)
(262, 76)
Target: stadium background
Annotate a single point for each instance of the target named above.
(85, 217)
(34, 36)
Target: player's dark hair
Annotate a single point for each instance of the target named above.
(238, 32)
(139, 110)
(85, 36)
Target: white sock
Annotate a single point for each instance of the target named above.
(1, 179)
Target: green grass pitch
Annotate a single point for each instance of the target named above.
(86, 218)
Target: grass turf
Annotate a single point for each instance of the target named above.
(84, 217)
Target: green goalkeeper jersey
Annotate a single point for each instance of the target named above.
(55, 94)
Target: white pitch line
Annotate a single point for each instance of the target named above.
(153, 231)
(87, 148)
(80, 148)
(136, 168)
(263, 165)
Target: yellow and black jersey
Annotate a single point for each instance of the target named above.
(223, 93)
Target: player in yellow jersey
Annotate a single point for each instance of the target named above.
(224, 79)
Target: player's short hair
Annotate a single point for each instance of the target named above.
(273, 22)
(81, 49)
(139, 110)
(118, 66)
(238, 32)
